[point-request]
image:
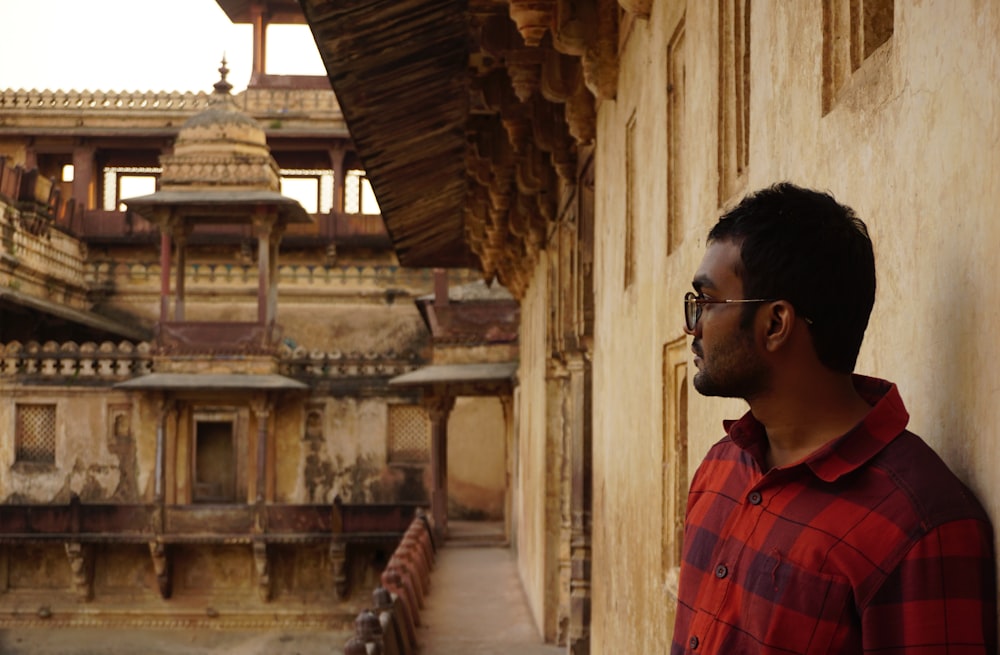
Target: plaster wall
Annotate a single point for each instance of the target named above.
(477, 452)
(531, 502)
(94, 459)
(909, 143)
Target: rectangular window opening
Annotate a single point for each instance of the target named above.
(35, 434)
(214, 463)
(409, 435)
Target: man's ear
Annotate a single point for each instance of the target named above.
(779, 323)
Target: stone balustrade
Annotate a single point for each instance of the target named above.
(54, 256)
(389, 628)
(70, 360)
(113, 362)
(35, 100)
(314, 103)
(123, 274)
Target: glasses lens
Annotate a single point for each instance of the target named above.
(691, 310)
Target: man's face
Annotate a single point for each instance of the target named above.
(728, 360)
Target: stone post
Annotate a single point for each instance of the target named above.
(438, 409)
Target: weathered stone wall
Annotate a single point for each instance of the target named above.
(477, 452)
(102, 453)
(908, 141)
(536, 503)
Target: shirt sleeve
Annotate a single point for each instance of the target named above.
(940, 598)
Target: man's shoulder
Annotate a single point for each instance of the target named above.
(936, 494)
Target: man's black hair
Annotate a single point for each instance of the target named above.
(803, 246)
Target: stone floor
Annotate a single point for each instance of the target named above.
(476, 605)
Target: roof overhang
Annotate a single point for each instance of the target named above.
(462, 379)
(79, 316)
(222, 206)
(277, 11)
(214, 381)
(399, 69)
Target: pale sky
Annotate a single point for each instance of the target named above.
(138, 45)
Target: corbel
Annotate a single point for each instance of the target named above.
(533, 18)
(162, 567)
(338, 561)
(81, 568)
(262, 564)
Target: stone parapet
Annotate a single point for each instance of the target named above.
(271, 106)
(70, 360)
(111, 362)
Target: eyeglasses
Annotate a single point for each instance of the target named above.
(693, 305)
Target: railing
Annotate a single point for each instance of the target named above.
(340, 228)
(232, 523)
(76, 101)
(77, 362)
(315, 104)
(54, 256)
(390, 626)
(110, 362)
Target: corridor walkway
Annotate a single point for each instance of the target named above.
(476, 604)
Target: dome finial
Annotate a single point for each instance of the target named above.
(222, 86)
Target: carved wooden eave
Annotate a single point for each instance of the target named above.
(467, 116)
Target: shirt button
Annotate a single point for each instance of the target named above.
(754, 498)
(721, 571)
(693, 643)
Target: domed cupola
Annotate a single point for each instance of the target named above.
(220, 148)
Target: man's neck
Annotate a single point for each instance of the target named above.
(803, 417)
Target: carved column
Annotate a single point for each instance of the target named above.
(581, 500)
(259, 20)
(507, 406)
(81, 567)
(557, 538)
(338, 159)
(261, 405)
(83, 175)
(162, 567)
(180, 245)
(263, 223)
(438, 409)
(262, 565)
(164, 408)
(164, 274)
(338, 560)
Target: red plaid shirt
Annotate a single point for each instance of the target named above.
(869, 545)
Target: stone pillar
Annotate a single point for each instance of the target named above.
(164, 274)
(261, 406)
(180, 244)
(438, 409)
(338, 157)
(277, 231)
(557, 558)
(259, 20)
(83, 176)
(163, 410)
(507, 406)
(581, 501)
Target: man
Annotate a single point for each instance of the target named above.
(819, 524)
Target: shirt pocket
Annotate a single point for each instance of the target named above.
(790, 609)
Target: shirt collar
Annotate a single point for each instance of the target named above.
(887, 418)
